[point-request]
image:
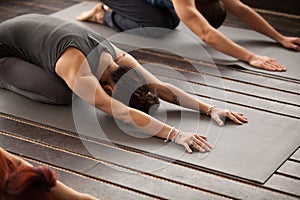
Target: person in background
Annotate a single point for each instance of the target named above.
(202, 17)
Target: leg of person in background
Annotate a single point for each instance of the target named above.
(130, 14)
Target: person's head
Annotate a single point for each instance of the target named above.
(213, 11)
(22, 182)
(132, 89)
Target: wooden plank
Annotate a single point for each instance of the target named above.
(296, 155)
(290, 168)
(169, 171)
(10, 9)
(287, 6)
(141, 183)
(284, 183)
(285, 25)
(88, 185)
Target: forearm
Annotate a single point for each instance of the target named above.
(216, 39)
(223, 44)
(177, 96)
(140, 120)
(255, 21)
(148, 124)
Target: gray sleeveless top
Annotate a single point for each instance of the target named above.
(41, 39)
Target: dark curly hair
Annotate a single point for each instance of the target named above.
(133, 90)
(213, 11)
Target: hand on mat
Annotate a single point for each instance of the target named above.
(291, 43)
(267, 63)
(189, 140)
(217, 114)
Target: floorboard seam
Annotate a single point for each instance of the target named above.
(88, 177)
(114, 165)
(154, 157)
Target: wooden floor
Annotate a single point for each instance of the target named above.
(28, 139)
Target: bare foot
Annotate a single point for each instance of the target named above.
(94, 15)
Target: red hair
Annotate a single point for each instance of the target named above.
(6, 167)
(25, 182)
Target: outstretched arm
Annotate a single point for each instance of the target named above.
(172, 94)
(256, 22)
(83, 83)
(188, 13)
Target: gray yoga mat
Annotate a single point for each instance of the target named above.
(186, 44)
(252, 151)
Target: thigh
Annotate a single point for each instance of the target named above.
(4, 51)
(29, 77)
(141, 12)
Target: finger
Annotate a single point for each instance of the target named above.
(271, 66)
(295, 47)
(187, 147)
(218, 120)
(233, 118)
(201, 142)
(202, 136)
(297, 41)
(276, 65)
(241, 114)
(266, 67)
(199, 148)
(240, 117)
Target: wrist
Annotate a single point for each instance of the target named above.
(280, 39)
(175, 135)
(170, 135)
(250, 57)
(209, 110)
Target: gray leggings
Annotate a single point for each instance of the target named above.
(32, 82)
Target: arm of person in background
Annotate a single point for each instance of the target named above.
(172, 94)
(259, 24)
(60, 191)
(188, 14)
